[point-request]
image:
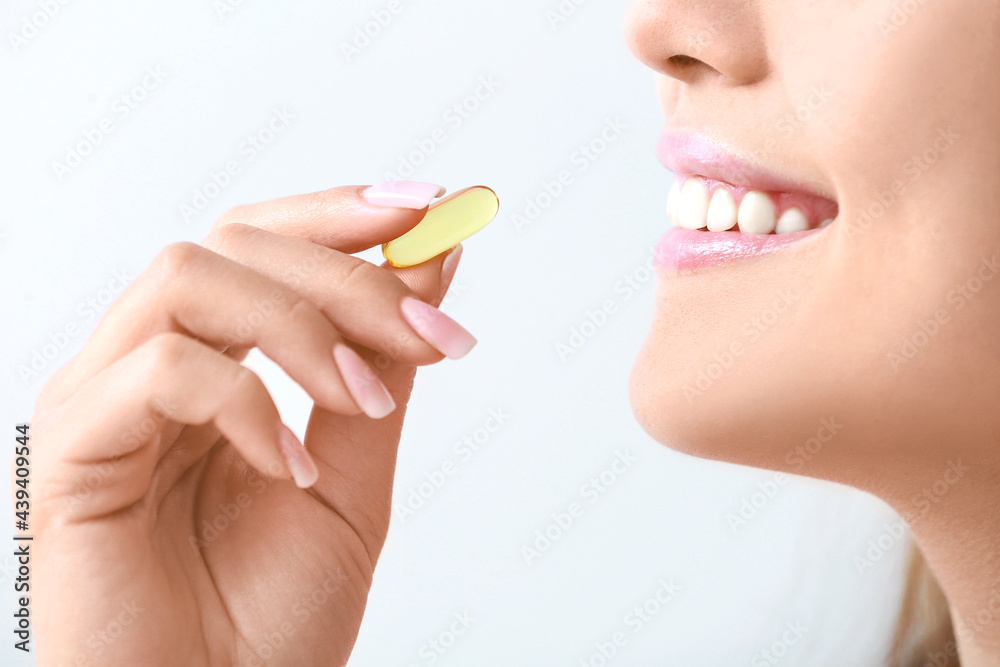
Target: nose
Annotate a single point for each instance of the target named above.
(699, 41)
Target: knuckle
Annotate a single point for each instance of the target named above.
(177, 259)
(317, 204)
(167, 352)
(246, 383)
(228, 236)
(232, 215)
(358, 272)
(301, 312)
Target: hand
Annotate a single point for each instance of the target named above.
(169, 526)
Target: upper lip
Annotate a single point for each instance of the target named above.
(691, 154)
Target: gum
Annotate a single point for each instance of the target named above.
(448, 222)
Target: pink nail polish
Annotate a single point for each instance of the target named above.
(442, 332)
(365, 387)
(448, 268)
(403, 194)
(300, 463)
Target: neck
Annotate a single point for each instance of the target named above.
(953, 510)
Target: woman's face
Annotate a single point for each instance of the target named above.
(879, 334)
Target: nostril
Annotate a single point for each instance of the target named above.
(687, 68)
(684, 61)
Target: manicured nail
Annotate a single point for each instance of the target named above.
(403, 194)
(448, 268)
(442, 332)
(365, 387)
(300, 463)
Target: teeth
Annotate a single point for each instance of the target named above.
(791, 221)
(675, 193)
(826, 223)
(692, 207)
(756, 214)
(721, 212)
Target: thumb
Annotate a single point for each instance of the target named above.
(359, 454)
(431, 279)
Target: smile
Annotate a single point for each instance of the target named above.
(725, 209)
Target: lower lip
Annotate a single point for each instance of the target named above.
(682, 249)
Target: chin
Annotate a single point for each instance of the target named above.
(723, 375)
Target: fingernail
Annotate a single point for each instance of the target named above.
(442, 332)
(448, 268)
(300, 463)
(365, 387)
(403, 194)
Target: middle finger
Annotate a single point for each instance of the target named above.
(368, 304)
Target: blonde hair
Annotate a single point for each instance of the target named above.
(924, 634)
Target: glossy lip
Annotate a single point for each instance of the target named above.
(688, 154)
(683, 249)
(691, 154)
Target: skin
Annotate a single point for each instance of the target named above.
(738, 71)
(149, 438)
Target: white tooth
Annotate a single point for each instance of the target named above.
(721, 212)
(692, 207)
(675, 193)
(756, 214)
(791, 221)
(826, 223)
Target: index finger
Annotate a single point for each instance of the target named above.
(349, 219)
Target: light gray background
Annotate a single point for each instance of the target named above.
(62, 240)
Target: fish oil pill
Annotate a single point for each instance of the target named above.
(447, 223)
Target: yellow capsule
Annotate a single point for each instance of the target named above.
(447, 223)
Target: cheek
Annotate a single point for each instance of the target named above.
(893, 75)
